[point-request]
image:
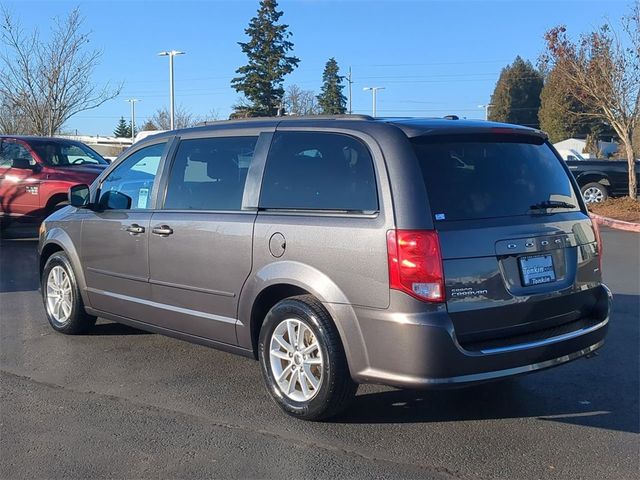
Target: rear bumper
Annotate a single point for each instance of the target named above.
(409, 347)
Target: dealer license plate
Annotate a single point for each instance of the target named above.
(537, 269)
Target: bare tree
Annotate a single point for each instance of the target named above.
(603, 72)
(49, 81)
(181, 119)
(300, 102)
(212, 116)
(12, 119)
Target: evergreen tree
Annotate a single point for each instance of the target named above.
(260, 80)
(331, 99)
(122, 129)
(558, 111)
(516, 98)
(562, 115)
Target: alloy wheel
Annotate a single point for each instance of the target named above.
(296, 360)
(592, 195)
(59, 295)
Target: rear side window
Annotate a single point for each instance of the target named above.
(10, 151)
(487, 176)
(319, 171)
(209, 173)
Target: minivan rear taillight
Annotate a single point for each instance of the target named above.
(415, 264)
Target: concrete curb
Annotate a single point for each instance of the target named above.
(617, 224)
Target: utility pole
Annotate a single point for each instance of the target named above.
(133, 101)
(350, 81)
(171, 54)
(486, 110)
(374, 92)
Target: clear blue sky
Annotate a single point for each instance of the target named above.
(433, 57)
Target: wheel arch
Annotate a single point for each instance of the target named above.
(593, 177)
(55, 199)
(281, 280)
(57, 240)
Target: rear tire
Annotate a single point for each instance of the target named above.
(61, 296)
(302, 360)
(594, 192)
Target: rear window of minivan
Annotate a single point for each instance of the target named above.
(480, 176)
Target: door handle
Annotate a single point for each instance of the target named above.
(162, 230)
(135, 229)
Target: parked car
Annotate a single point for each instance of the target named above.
(600, 179)
(36, 173)
(337, 251)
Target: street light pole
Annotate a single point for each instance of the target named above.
(374, 92)
(486, 110)
(133, 101)
(350, 81)
(171, 54)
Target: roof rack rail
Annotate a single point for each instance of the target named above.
(451, 117)
(346, 116)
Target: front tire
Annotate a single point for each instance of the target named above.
(594, 192)
(61, 296)
(302, 360)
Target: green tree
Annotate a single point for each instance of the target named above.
(559, 111)
(267, 51)
(331, 99)
(135, 130)
(562, 115)
(516, 97)
(122, 129)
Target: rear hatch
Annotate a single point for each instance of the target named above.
(519, 254)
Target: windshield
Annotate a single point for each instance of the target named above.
(488, 176)
(61, 153)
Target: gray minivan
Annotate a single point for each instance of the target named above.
(417, 253)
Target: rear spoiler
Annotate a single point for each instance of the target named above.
(412, 131)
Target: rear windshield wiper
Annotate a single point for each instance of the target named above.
(547, 204)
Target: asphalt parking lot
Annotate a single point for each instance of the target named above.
(121, 403)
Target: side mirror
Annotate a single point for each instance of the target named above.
(22, 164)
(113, 200)
(79, 195)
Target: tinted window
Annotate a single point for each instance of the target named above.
(485, 176)
(130, 184)
(61, 153)
(209, 173)
(9, 151)
(319, 171)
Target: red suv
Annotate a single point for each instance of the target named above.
(36, 173)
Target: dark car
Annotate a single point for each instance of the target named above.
(418, 253)
(601, 179)
(36, 173)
